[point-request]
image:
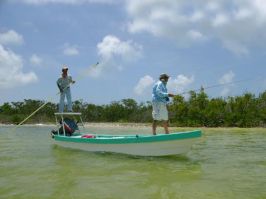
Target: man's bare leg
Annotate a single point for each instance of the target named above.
(165, 125)
(154, 125)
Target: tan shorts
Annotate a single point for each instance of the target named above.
(159, 111)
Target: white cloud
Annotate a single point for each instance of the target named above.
(73, 2)
(35, 60)
(220, 20)
(226, 79)
(112, 47)
(70, 50)
(212, 6)
(174, 85)
(11, 37)
(11, 74)
(114, 54)
(144, 85)
(180, 83)
(195, 35)
(242, 14)
(238, 24)
(197, 16)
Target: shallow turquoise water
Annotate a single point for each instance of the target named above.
(224, 164)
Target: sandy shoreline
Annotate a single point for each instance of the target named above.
(142, 125)
(93, 124)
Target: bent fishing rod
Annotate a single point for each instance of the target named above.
(34, 112)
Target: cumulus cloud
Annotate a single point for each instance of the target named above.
(226, 79)
(115, 54)
(175, 85)
(11, 74)
(70, 50)
(238, 24)
(220, 20)
(195, 35)
(35, 60)
(72, 2)
(11, 37)
(112, 47)
(180, 83)
(144, 85)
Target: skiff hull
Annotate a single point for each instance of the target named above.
(139, 145)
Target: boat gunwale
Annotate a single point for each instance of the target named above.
(130, 139)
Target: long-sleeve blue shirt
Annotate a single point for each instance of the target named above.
(159, 92)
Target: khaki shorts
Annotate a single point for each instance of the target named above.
(159, 111)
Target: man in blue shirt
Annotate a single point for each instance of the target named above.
(63, 84)
(160, 98)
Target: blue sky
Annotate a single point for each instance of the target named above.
(197, 42)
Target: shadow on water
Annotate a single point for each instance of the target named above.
(102, 162)
(70, 155)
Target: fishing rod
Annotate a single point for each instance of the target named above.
(222, 84)
(34, 112)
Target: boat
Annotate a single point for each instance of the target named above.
(136, 144)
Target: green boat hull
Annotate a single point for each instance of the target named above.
(141, 145)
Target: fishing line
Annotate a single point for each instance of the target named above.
(222, 84)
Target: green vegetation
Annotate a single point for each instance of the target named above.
(198, 110)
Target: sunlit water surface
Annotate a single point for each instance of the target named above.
(224, 164)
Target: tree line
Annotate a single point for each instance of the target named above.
(197, 109)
